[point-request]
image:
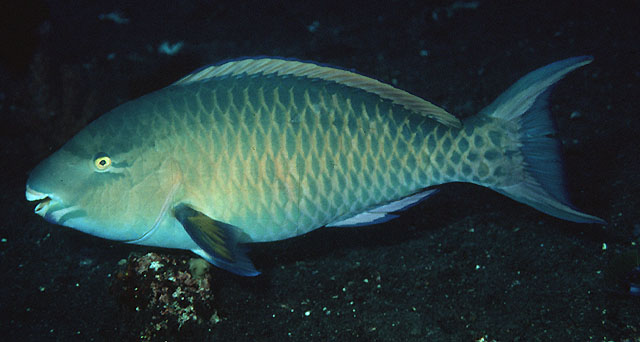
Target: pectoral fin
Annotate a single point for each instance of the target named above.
(218, 241)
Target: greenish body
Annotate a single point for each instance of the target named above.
(282, 156)
(258, 156)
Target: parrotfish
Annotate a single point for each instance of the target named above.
(265, 149)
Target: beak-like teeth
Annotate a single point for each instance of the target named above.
(41, 208)
(45, 201)
(33, 195)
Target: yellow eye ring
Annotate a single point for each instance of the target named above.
(102, 162)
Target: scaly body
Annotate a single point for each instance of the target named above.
(271, 149)
(282, 159)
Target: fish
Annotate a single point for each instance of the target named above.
(267, 148)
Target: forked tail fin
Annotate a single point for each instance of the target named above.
(524, 106)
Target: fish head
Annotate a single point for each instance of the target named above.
(111, 185)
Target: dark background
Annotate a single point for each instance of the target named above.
(466, 264)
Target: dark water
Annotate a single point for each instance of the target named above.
(468, 264)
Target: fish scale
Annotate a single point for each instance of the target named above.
(464, 155)
(329, 187)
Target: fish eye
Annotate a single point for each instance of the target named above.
(101, 162)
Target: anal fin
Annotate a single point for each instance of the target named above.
(218, 241)
(384, 212)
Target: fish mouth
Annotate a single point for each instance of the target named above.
(47, 204)
(44, 201)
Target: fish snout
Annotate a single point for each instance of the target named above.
(45, 205)
(44, 200)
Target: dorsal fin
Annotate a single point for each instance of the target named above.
(284, 67)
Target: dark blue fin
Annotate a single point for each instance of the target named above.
(218, 241)
(525, 104)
